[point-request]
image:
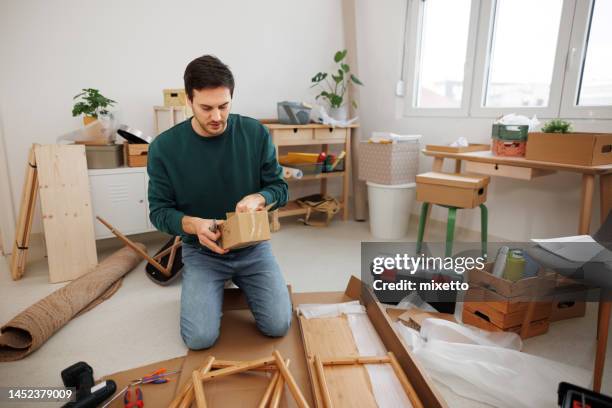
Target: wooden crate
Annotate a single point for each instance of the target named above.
(536, 328)
(136, 154)
(175, 97)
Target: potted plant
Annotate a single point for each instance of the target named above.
(91, 104)
(557, 126)
(334, 90)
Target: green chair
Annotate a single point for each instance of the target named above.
(455, 192)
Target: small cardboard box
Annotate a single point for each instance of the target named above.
(244, 229)
(136, 154)
(388, 163)
(585, 149)
(454, 189)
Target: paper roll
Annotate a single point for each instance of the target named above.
(290, 172)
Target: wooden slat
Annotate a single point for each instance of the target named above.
(66, 210)
(349, 385)
(24, 222)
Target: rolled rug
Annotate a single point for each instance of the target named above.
(28, 330)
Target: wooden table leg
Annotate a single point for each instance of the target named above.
(437, 166)
(603, 325)
(347, 178)
(588, 188)
(457, 166)
(605, 196)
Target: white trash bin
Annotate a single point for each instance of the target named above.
(390, 208)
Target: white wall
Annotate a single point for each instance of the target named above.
(518, 210)
(131, 50)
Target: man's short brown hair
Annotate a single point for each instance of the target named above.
(207, 72)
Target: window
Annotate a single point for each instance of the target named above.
(439, 75)
(595, 88)
(442, 53)
(523, 48)
(485, 58)
(587, 92)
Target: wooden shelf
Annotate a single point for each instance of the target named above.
(318, 176)
(293, 208)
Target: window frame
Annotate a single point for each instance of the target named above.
(413, 58)
(483, 59)
(569, 56)
(574, 66)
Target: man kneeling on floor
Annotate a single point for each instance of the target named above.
(202, 168)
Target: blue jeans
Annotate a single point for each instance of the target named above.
(254, 269)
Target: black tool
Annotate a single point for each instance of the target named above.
(88, 394)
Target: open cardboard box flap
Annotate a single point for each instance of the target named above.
(241, 340)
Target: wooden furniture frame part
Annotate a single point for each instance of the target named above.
(388, 359)
(165, 270)
(273, 391)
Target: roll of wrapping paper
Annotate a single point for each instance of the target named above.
(290, 172)
(29, 330)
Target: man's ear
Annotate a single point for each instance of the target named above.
(189, 102)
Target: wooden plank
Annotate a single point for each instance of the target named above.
(586, 203)
(24, 222)
(488, 157)
(349, 385)
(66, 210)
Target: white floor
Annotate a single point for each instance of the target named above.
(139, 324)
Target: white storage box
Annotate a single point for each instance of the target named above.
(390, 163)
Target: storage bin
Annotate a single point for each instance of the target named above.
(390, 209)
(293, 113)
(389, 163)
(509, 140)
(104, 157)
(136, 154)
(175, 97)
(457, 190)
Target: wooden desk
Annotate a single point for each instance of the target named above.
(541, 168)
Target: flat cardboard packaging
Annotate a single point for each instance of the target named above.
(244, 229)
(241, 340)
(586, 149)
(453, 189)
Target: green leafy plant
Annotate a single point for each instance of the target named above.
(557, 126)
(335, 89)
(92, 103)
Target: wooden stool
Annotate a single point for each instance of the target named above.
(453, 191)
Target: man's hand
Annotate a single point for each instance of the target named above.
(207, 231)
(252, 202)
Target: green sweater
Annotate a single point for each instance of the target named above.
(206, 176)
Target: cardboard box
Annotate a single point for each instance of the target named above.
(244, 229)
(136, 154)
(454, 189)
(388, 163)
(585, 149)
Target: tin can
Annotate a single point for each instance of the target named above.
(515, 265)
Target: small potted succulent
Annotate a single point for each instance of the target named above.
(91, 103)
(334, 90)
